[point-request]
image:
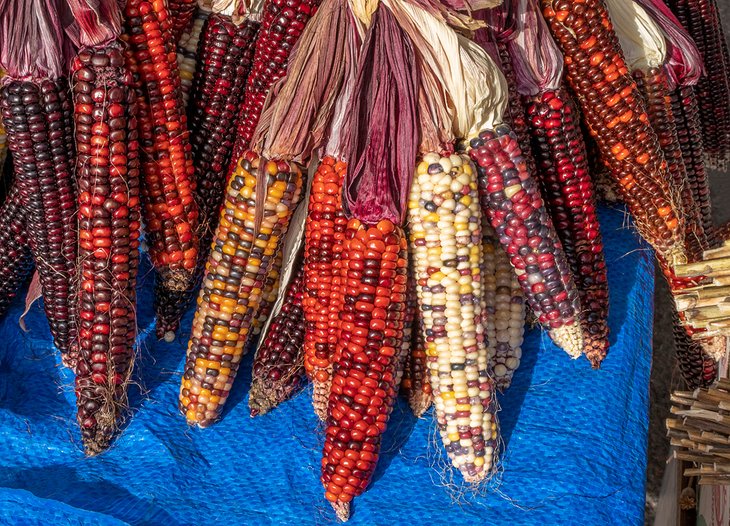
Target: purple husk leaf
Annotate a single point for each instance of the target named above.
(383, 128)
(96, 22)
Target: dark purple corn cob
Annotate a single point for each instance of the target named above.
(16, 260)
(697, 368)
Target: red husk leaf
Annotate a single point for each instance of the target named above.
(501, 22)
(32, 42)
(383, 128)
(96, 22)
(536, 59)
(684, 60)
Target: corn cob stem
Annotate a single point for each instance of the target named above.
(510, 198)
(239, 261)
(109, 229)
(278, 367)
(363, 385)
(324, 235)
(40, 136)
(445, 229)
(563, 164)
(615, 115)
(16, 260)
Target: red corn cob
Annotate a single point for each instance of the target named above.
(278, 367)
(37, 116)
(225, 52)
(170, 211)
(109, 229)
(325, 228)
(702, 21)
(654, 86)
(363, 385)
(16, 260)
(281, 26)
(181, 15)
(614, 112)
(510, 198)
(563, 169)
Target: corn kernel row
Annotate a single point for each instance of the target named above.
(187, 49)
(16, 260)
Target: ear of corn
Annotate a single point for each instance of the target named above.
(268, 295)
(225, 52)
(170, 211)
(416, 382)
(563, 171)
(38, 119)
(615, 115)
(181, 15)
(446, 244)
(16, 260)
(697, 368)
(511, 200)
(109, 229)
(187, 52)
(363, 386)
(408, 319)
(278, 367)
(240, 259)
(324, 234)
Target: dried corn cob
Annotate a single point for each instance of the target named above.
(445, 230)
(109, 227)
(510, 198)
(37, 116)
(225, 57)
(363, 384)
(416, 383)
(278, 367)
(697, 368)
(181, 14)
(281, 26)
(170, 211)
(16, 260)
(237, 266)
(563, 169)
(325, 229)
(614, 112)
(268, 296)
(187, 52)
(408, 320)
(504, 310)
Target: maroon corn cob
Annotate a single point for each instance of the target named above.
(37, 116)
(109, 229)
(416, 384)
(511, 200)
(702, 21)
(697, 368)
(615, 115)
(181, 13)
(654, 87)
(278, 367)
(224, 56)
(16, 260)
(408, 336)
(689, 135)
(563, 170)
(281, 26)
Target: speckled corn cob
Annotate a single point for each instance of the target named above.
(510, 198)
(187, 49)
(233, 283)
(446, 244)
(268, 296)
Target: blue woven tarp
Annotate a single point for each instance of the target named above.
(575, 439)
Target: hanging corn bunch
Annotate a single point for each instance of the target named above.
(37, 113)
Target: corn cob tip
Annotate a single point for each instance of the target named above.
(596, 348)
(177, 280)
(569, 337)
(68, 359)
(320, 398)
(420, 403)
(342, 510)
(261, 400)
(168, 336)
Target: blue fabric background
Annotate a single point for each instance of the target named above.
(575, 438)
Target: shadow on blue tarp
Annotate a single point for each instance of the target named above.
(575, 438)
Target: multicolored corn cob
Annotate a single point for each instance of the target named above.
(187, 50)
(269, 294)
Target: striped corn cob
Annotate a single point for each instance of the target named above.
(702, 21)
(504, 310)
(615, 115)
(569, 195)
(239, 261)
(363, 385)
(446, 237)
(416, 384)
(181, 14)
(689, 135)
(187, 49)
(281, 26)
(107, 172)
(268, 296)
(16, 260)
(38, 119)
(324, 231)
(511, 200)
(278, 367)
(170, 211)
(224, 56)
(696, 367)
(654, 87)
